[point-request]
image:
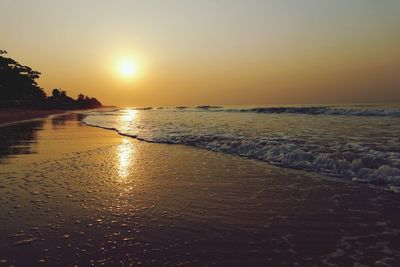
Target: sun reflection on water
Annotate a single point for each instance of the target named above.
(126, 152)
(129, 115)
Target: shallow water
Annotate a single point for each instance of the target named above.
(101, 199)
(354, 142)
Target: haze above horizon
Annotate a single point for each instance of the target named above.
(210, 52)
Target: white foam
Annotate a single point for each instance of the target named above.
(368, 156)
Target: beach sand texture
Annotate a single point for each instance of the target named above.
(71, 194)
(8, 116)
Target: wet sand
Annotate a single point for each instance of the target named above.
(71, 194)
(14, 115)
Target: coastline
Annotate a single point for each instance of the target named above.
(9, 116)
(83, 195)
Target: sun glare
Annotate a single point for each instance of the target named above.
(128, 68)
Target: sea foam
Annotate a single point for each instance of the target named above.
(343, 147)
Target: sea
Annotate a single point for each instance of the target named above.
(354, 142)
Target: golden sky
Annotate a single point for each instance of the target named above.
(220, 52)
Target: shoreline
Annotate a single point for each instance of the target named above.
(67, 184)
(322, 175)
(14, 116)
(10, 116)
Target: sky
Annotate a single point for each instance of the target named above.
(220, 52)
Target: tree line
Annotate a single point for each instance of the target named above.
(18, 89)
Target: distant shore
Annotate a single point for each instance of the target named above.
(15, 115)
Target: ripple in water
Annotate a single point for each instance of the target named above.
(361, 143)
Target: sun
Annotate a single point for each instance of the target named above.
(128, 68)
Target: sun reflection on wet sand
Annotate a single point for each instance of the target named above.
(160, 204)
(126, 152)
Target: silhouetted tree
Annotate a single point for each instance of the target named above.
(17, 84)
(56, 93)
(80, 98)
(18, 88)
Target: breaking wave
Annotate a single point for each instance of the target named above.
(320, 111)
(335, 111)
(331, 146)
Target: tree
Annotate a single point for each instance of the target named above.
(17, 84)
(18, 88)
(56, 93)
(80, 98)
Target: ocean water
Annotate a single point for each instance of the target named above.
(351, 142)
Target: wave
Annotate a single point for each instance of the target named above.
(351, 162)
(366, 112)
(143, 108)
(208, 107)
(322, 111)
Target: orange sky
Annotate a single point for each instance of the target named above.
(210, 52)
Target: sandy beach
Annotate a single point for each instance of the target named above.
(71, 194)
(14, 115)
